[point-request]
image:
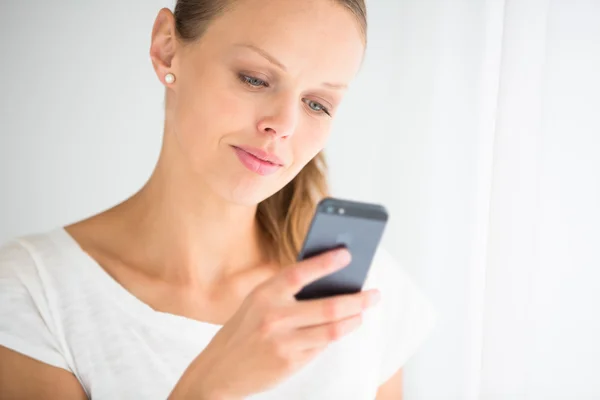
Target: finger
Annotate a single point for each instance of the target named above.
(308, 313)
(307, 355)
(293, 278)
(317, 337)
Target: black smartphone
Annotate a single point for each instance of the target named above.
(339, 223)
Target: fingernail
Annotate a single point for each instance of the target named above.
(343, 257)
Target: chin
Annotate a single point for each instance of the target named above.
(250, 190)
(238, 184)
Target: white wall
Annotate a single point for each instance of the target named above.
(444, 115)
(81, 119)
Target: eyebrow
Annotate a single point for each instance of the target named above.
(280, 65)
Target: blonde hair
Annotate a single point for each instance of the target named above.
(285, 216)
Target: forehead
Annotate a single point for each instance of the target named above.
(307, 36)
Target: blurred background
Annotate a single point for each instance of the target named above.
(476, 122)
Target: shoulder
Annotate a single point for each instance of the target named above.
(28, 322)
(23, 257)
(14, 259)
(31, 266)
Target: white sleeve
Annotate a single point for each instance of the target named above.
(408, 316)
(24, 313)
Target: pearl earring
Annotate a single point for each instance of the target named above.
(169, 78)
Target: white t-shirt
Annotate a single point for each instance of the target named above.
(58, 306)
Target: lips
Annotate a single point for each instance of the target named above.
(261, 155)
(258, 160)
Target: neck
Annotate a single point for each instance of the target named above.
(186, 233)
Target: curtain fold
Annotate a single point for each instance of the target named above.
(502, 221)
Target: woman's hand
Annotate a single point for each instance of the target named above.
(272, 335)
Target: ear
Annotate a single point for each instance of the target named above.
(164, 45)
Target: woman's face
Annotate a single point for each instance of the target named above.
(267, 76)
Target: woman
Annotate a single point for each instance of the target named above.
(185, 290)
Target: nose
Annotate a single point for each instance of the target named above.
(282, 120)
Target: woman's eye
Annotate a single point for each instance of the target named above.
(252, 81)
(318, 107)
(257, 83)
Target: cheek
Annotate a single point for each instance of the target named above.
(232, 109)
(309, 143)
(208, 115)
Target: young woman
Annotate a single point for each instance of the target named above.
(186, 289)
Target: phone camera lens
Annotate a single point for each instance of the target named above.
(330, 209)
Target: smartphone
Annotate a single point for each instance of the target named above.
(343, 223)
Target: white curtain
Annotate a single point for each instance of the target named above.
(540, 304)
(489, 156)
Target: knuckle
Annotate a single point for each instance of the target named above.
(338, 330)
(288, 364)
(332, 309)
(335, 331)
(294, 277)
(281, 351)
(361, 301)
(268, 323)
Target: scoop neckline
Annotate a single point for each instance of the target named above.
(123, 297)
